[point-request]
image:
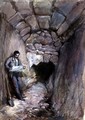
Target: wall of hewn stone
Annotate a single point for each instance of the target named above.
(43, 26)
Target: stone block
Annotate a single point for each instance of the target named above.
(32, 39)
(26, 12)
(57, 20)
(24, 38)
(42, 7)
(8, 10)
(48, 48)
(31, 20)
(54, 36)
(21, 25)
(71, 17)
(51, 52)
(44, 40)
(25, 31)
(46, 57)
(14, 20)
(75, 13)
(54, 59)
(66, 7)
(63, 28)
(38, 46)
(57, 45)
(30, 46)
(23, 4)
(43, 21)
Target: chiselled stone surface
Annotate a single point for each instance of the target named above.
(66, 7)
(25, 31)
(44, 40)
(25, 12)
(75, 13)
(21, 25)
(54, 59)
(63, 28)
(48, 48)
(46, 57)
(54, 36)
(38, 46)
(43, 21)
(56, 20)
(71, 17)
(32, 38)
(14, 20)
(51, 52)
(23, 5)
(31, 20)
(24, 38)
(42, 7)
(57, 44)
(8, 10)
(30, 46)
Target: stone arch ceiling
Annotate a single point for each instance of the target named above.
(44, 26)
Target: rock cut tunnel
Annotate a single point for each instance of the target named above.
(48, 32)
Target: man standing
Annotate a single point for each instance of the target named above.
(14, 67)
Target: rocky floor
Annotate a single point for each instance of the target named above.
(33, 108)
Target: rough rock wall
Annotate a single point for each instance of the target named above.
(68, 85)
(4, 42)
(9, 41)
(44, 26)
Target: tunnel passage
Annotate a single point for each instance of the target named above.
(43, 70)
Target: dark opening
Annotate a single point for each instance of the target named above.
(44, 70)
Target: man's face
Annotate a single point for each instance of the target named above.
(17, 55)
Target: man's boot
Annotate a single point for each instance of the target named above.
(20, 97)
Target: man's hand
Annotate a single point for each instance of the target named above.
(24, 67)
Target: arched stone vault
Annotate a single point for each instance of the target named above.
(42, 26)
(39, 30)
